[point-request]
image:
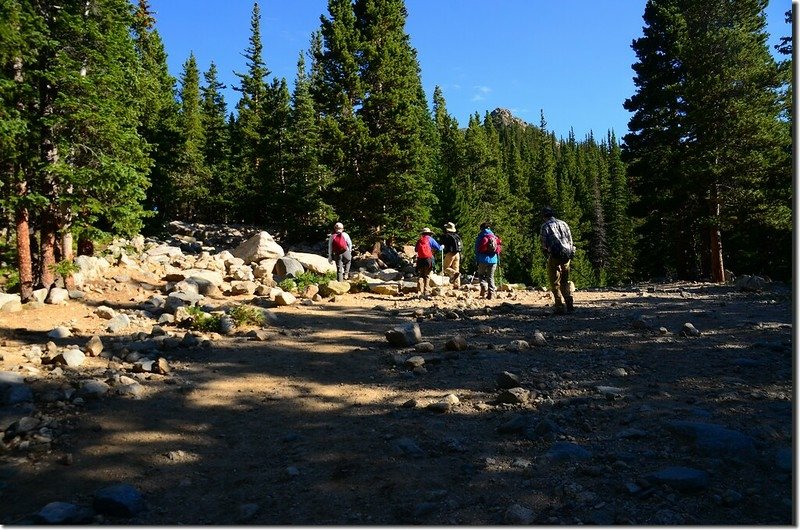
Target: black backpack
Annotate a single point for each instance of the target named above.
(457, 244)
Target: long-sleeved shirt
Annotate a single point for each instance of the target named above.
(555, 229)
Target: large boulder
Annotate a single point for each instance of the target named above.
(260, 246)
(6, 298)
(91, 268)
(313, 262)
(288, 267)
(334, 287)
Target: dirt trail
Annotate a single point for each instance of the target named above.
(310, 427)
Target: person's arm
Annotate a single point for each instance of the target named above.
(348, 241)
(435, 244)
(330, 245)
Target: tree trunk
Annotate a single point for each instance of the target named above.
(717, 267)
(48, 252)
(67, 255)
(24, 262)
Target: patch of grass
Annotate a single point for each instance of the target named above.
(202, 321)
(247, 314)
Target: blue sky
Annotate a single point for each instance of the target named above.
(523, 55)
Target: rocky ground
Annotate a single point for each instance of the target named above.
(477, 412)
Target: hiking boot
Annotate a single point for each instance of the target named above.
(490, 295)
(559, 310)
(570, 306)
(483, 293)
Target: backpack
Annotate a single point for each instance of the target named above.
(423, 248)
(560, 252)
(338, 243)
(457, 244)
(491, 245)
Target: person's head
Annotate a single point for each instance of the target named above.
(450, 227)
(486, 225)
(338, 227)
(426, 231)
(548, 212)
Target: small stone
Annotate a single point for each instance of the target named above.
(518, 515)
(514, 396)
(94, 346)
(161, 366)
(457, 343)
(424, 347)
(681, 478)
(57, 296)
(688, 330)
(105, 312)
(61, 332)
(415, 361)
(518, 345)
(408, 447)
(119, 500)
(72, 358)
(403, 336)
(410, 404)
(248, 511)
(507, 380)
(538, 339)
(619, 372)
(63, 513)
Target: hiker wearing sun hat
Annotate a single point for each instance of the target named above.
(340, 250)
(426, 244)
(453, 246)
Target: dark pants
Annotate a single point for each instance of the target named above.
(342, 265)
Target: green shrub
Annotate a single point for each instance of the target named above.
(64, 268)
(202, 321)
(308, 278)
(246, 314)
(288, 284)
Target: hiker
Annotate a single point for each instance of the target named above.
(340, 250)
(556, 242)
(487, 255)
(451, 265)
(425, 247)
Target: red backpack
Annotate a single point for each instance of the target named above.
(338, 243)
(423, 248)
(490, 245)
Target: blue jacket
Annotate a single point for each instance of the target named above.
(483, 258)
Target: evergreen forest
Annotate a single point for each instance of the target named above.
(98, 139)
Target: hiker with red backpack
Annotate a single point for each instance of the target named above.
(487, 255)
(340, 250)
(424, 249)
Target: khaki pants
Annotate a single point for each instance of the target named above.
(452, 268)
(558, 276)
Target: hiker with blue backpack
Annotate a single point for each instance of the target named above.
(424, 249)
(556, 241)
(487, 256)
(340, 251)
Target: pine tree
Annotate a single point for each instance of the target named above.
(621, 239)
(158, 110)
(398, 169)
(216, 149)
(448, 160)
(190, 181)
(706, 133)
(307, 180)
(247, 140)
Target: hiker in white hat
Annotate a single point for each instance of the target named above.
(453, 246)
(340, 250)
